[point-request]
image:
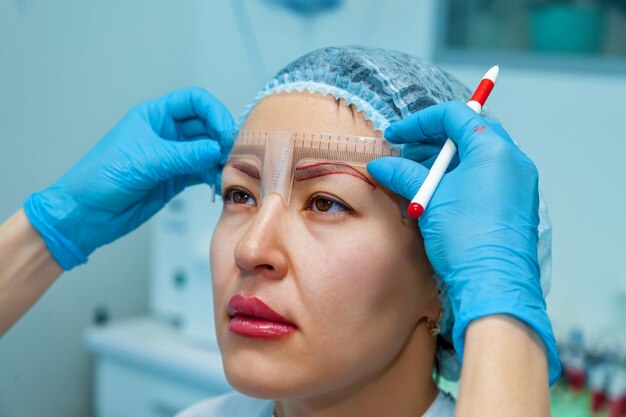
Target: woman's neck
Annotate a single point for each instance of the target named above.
(405, 388)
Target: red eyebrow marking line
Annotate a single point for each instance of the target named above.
(247, 169)
(322, 169)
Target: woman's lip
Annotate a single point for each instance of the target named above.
(253, 327)
(252, 317)
(255, 308)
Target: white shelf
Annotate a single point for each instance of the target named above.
(145, 368)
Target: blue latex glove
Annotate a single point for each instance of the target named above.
(480, 228)
(159, 148)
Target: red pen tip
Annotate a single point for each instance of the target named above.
(415, 210)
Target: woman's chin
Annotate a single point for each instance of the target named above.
(256, 373)
(259, 385)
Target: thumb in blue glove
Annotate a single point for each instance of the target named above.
(159, 148)
(480, 229)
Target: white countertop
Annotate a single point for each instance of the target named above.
(149, 343)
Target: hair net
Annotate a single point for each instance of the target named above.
(387, 86)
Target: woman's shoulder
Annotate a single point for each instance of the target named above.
(232, 404)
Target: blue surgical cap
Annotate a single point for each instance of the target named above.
(387, 86)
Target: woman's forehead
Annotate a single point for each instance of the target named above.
(305, 112)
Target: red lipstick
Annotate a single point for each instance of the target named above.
(252, 317)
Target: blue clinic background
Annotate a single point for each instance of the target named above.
(70, 69)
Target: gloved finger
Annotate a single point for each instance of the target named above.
(400, 175)
(192, 128)
(418, 128)
(426, 155)
(208, 177)
(420, 153)
(452, 119)
(197, 102)
(500, 130)
(193, 179)
(226, 141)
(160, 194)
(180, 158)
(453, 163)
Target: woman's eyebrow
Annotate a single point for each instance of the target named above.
(246, 168)
(321, 169)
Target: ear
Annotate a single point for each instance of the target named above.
(432, 303)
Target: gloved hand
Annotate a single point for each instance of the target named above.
(480, 228)
(159, 148)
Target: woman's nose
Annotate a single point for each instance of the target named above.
(262, 250)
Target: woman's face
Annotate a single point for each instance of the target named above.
(339, 262)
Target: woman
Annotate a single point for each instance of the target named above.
(358, 306)
(341, 264)
(335, 260)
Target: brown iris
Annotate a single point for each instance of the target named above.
(239, 197)
(323, 204)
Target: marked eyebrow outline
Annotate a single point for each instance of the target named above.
(307, 172)
(321, 169)
(246, 168)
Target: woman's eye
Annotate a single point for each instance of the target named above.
(323, 204)
(237, 196)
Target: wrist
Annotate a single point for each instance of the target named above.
(62, 249)
(521, 308)
(30, 245)
(28, 268)
(501, 345)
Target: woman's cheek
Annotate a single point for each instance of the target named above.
(340, 271)
(221, 254)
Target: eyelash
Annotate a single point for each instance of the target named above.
(343, 208)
